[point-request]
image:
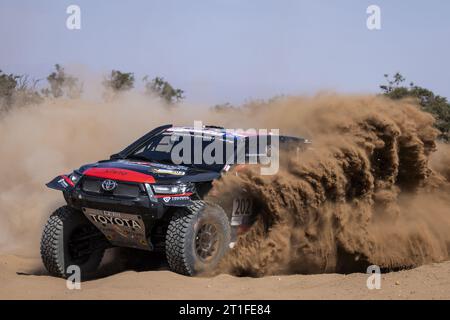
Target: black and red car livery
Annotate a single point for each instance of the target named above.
(141, 198)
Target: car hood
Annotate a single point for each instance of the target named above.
(143, 171)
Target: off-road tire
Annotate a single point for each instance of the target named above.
(181, 237)
(55, 240)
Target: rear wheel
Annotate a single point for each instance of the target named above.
(70, 239)
(197, 238)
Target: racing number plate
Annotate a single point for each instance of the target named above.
(120, 229)
(242, 209)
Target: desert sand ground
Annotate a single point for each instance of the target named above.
(24, 278)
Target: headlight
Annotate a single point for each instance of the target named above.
(172, 188)
(151, 196)
(74, 177)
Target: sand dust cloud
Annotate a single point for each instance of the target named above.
(366, 192)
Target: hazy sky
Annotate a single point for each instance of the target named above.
(234, 50)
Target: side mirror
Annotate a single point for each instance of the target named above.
(115, 156)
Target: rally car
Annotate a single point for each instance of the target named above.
(143, 198)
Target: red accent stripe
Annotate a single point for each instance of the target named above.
(119, 174)
(174, 195)
(68, 180)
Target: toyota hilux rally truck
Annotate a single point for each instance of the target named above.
(140, 199)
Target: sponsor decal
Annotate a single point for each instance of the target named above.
(167, 166)
(182, 198)
(168, 171)
(63, 183)
(137, 163)
(160, 168)
(115, 220)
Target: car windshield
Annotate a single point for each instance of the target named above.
(185, 148)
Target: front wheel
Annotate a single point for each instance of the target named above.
(197, 238)
(70, 239)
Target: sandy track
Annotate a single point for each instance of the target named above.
(21, 278)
